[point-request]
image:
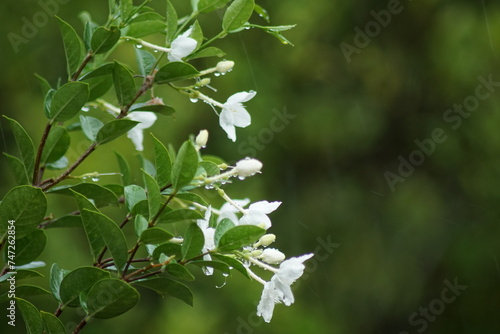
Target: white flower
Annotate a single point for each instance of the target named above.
(234, 113)
(265, 240)
(272, 256)
(208, 233)
(229, 211)
(224, 66)
(182, 46)
(146, 119)
(278, 289)
(201, 139)
(248, 167)
(256, 214)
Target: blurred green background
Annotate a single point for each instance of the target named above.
(386, 256)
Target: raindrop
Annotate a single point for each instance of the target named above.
(139, 46)
(155, 51)
(209, 187)
(247, 28)
(216, 74)
(241, 178)
(95, 178)
(85, 177)
(225, 281)
(85, 109)
(193, 100)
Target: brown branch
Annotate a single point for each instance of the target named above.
(80, 326)
(85, 61)
(38, 159)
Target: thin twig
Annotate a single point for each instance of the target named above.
(85, 61)
(80, 326)
(38, 159)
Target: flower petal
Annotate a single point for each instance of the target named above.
(182, 46)
(241, 117)
(241, 97)
(265, 206)
(268, 298)
(137, 138)
(226, 123)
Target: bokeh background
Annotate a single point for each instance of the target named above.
(386, 252)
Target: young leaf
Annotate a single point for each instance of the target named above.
(239, 236)
(29, 247)
(114, 129)
(133, 195)
(124, 84)
(52, 323)
(175, 71)
(155, 236)
(119, 298)
(171, 22)
(90, 127)
(197, 33)
(124, 169)
(147, 165)
(185, 165)
(24, 145)
(77, 281)
(237, 14)
(47, 101)
(193, 242)
(56, 145)
(163, 163)
(100, 195)
(20, 173)
(211, 168)
(125, 9)
(154, 197)
(68, 101)
(168, 249)
(88, 31)
(167, 287)
(262, 13)
(32, 318)
(223, 226)
(44, 84)
(140, 225)
(24, 204)
(59, 164)
(145, 60)
(72, 46)
(56, 276)
(103, 39)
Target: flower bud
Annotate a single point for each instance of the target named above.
(248, 167)
(266, 240)
(201, 139)
(272, 256)
(224, 66)
(203, 82)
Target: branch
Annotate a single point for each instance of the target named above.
(85, 61)
(43, 140)
(80, 326)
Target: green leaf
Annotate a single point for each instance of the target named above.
(147, 16)
(68, 101)
(211, 168)
(140, 225)
(153, 192)
(78, 281)
(156, 108)
(145, 28)
(167, 287)
(66, 221)
(47, 101)
(24, 204)
(239, 236)
(32, 318)
(59, 164)
(179, 215)
(124, 84)
(104, 39)
(194, 5)
(168, 249)
(72, 46)
(210, 51)
(145, 60)
(114, 129)
(100, 195)
(237, 14)
(193, 242)
(155, 235)
(197, 34)
(24, 145)
(88, 31)
(262, 13)
(103, 70)
(90, 127)
(111, 297)
(179, 271)
(171, 22)
(147, 165)
(223, 226)
(192, 197)
(124, 169)
(133, 195)
(126, 8)
(56, 276)
(207, 6)
(232, 263)
(57, 144)
(28, 248)
(175, 71)
(17, 167)
(185, 165)
(44, 84)
(52, 323)
(220, 266)
(163, 163)
(102, 231)
(21, 274)
(25, 291)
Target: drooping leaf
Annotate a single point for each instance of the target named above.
(77, 281)
(90, 127)
(25, 291)
(57, 144)
(153, 192)
(24, 145)
(119, 297)
(175, 71)
(155, 235)
(171, 22)
(114, 129)
(239, 236)
(59, 164)
(73, 46)
(25, 205)
(133, 195)
(145, 60)
(237, 14)
(167, 287)
(124, 169)
(52, 323)
(103, 39)
(193, 242)
(185, 165)
(56, 276)
(17, 167)
(68, 101)
(161, 109)
(31, 316)
(100, 195)
(21, 274)
(163, 163)
(262, 13)
(124, 84)
(220, 266)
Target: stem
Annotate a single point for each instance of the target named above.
(219, 35)
(155, 218)
(71, 168)
(134, 250)
(43, 140)
(80, 326)
(59, 310)
(85, 61)
(145, 275)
